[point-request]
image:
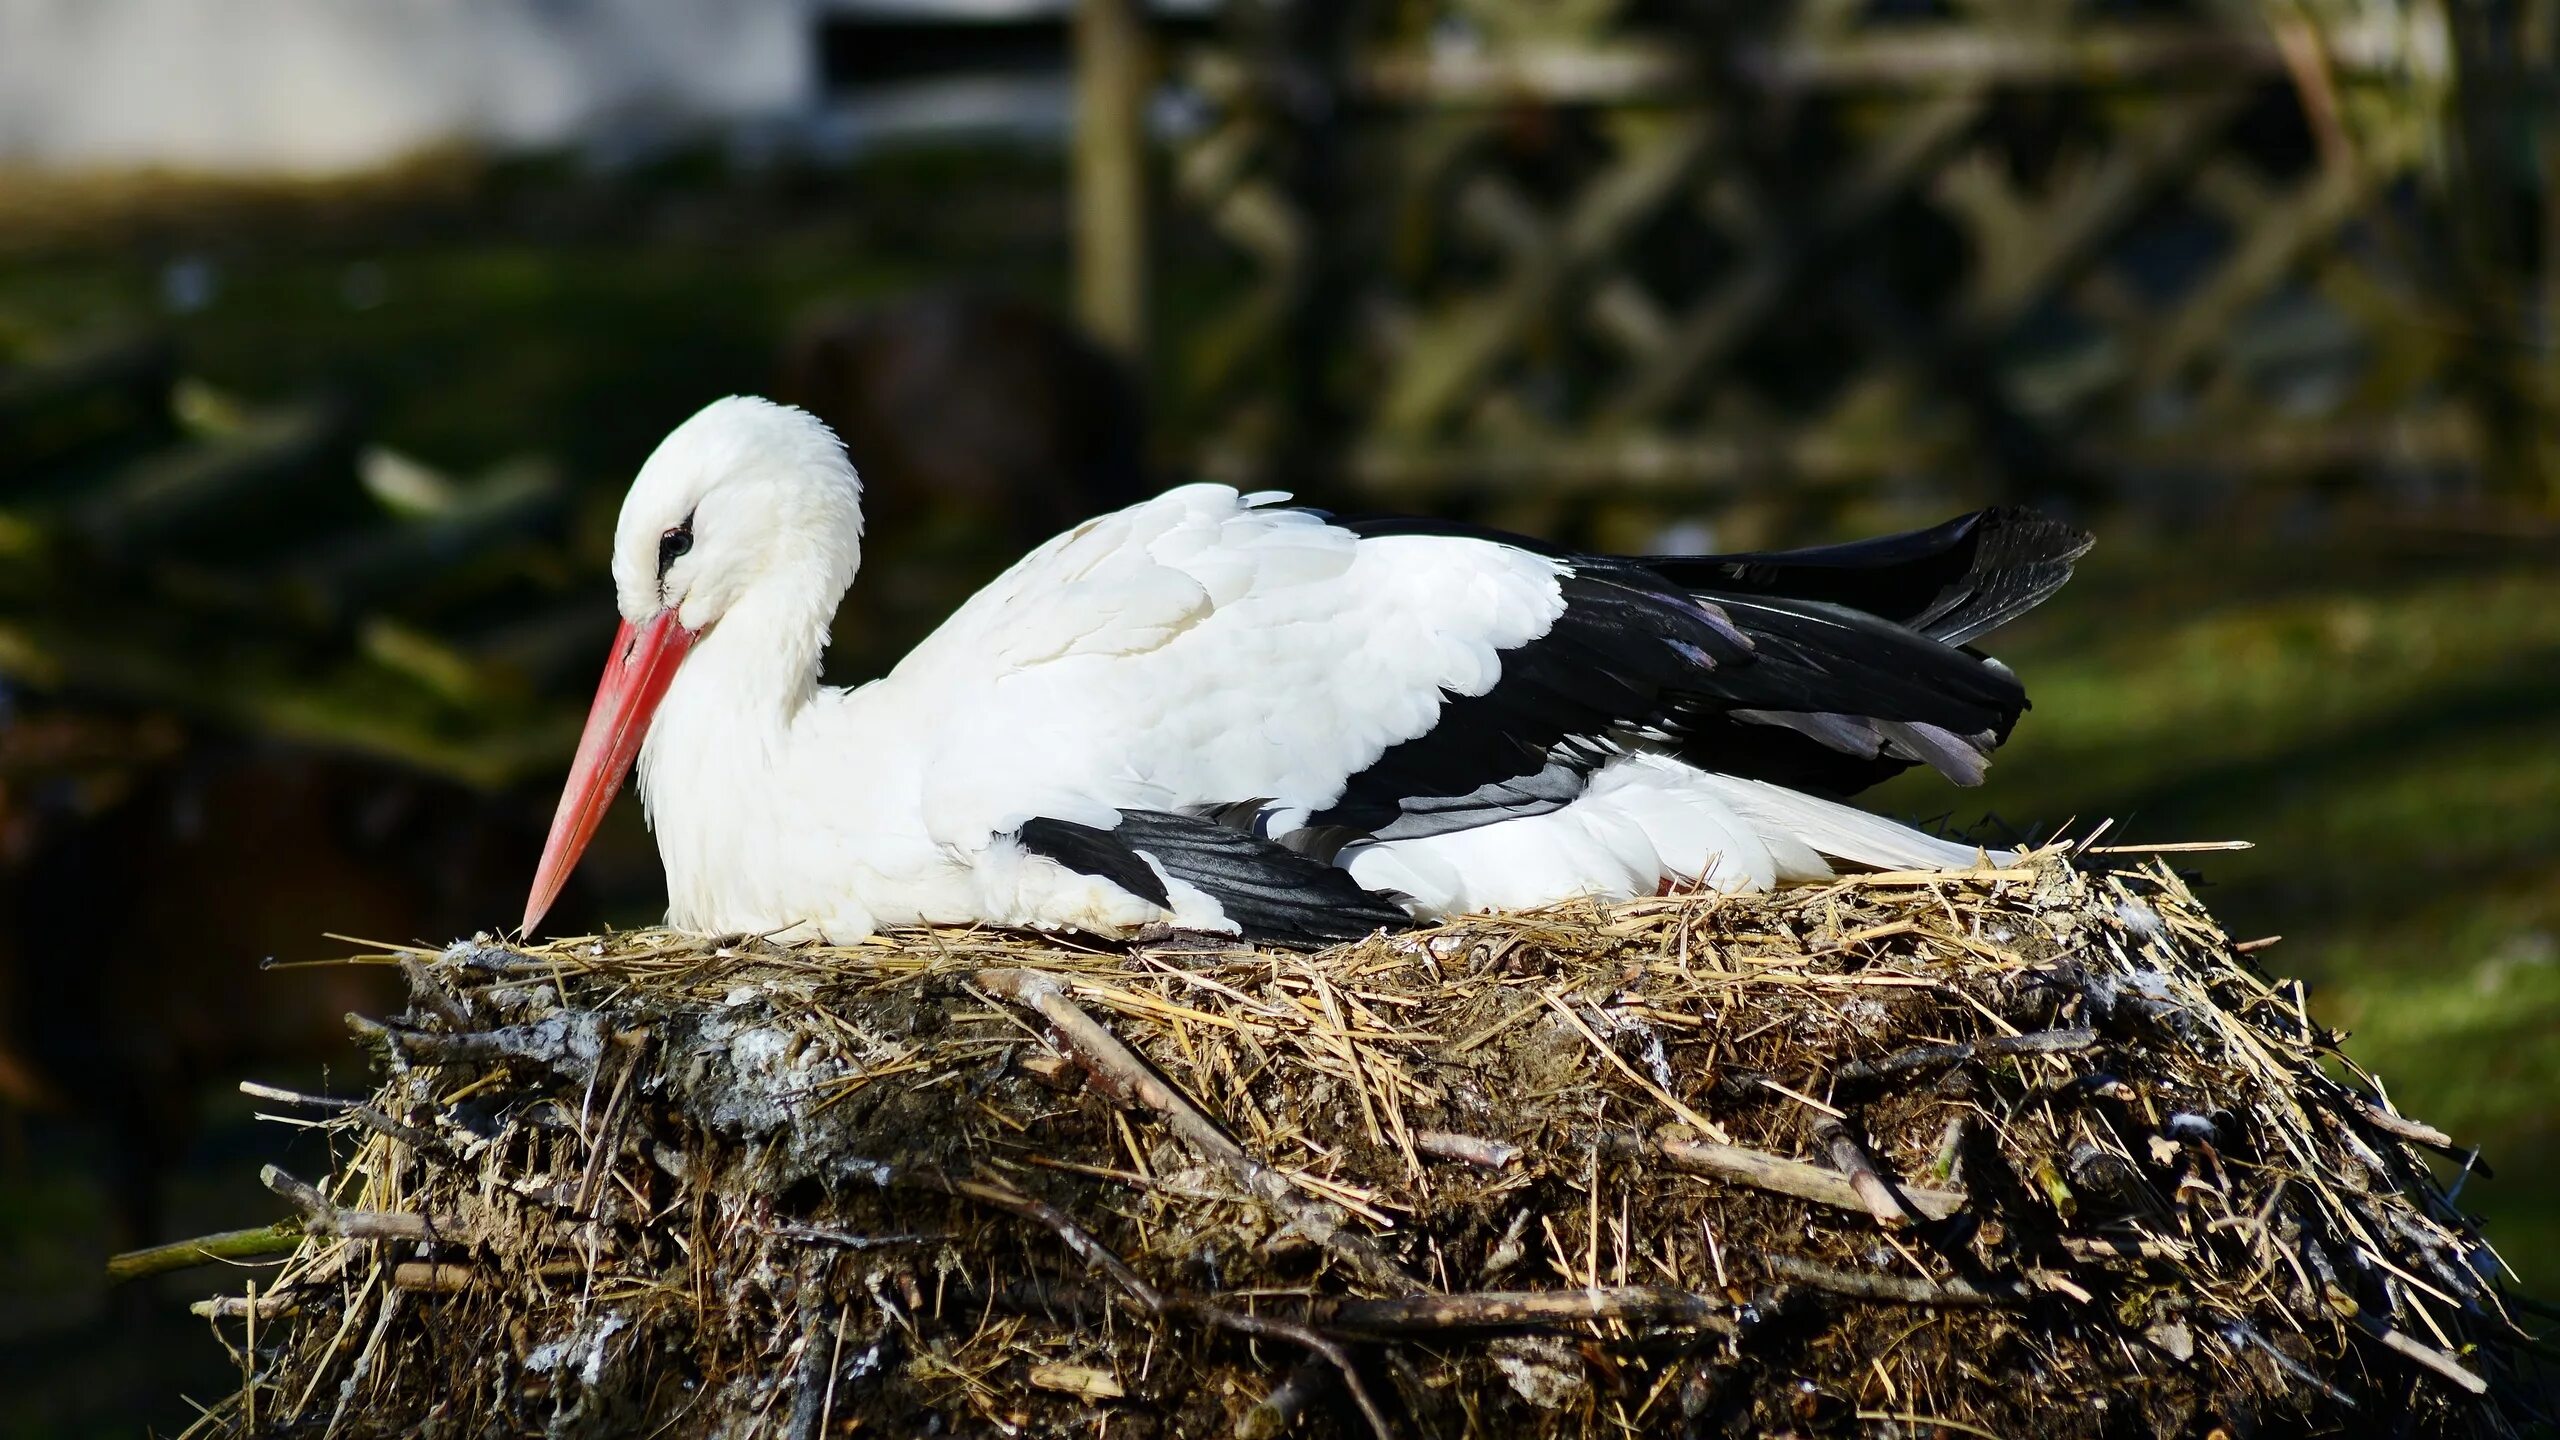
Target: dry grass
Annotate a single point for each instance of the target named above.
(2033, 1151)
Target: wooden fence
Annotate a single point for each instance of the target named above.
(1517, 253)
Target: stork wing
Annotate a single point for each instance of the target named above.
(1210, 652)
(1201, 649)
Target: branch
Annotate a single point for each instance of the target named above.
(241, 1307)
(319, 1217)
(1797, 1178)
(1887, 1289)
(1873, 1190)
(204, 1250)
(567, 1041)
(1523, 1309)
(2415, 1131)
(1468, 1149)
(2429, 1357)
(1938, 1057)
(1120, 1074)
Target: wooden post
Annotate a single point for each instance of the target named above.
(1110, 172)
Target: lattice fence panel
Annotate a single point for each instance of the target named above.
(1487, 251)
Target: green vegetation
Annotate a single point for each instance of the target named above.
(535, 306)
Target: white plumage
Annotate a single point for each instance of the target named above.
(1189, 687)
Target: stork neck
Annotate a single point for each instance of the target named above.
(723, 726)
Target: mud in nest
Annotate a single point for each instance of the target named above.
(2023, 1152)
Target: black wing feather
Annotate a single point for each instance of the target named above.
(1950, 582)
(1826, 669)
(1274, 894)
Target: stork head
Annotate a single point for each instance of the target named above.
(746, 498)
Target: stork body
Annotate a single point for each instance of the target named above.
(1220, 712)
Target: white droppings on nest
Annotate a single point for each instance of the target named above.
(554, 1354)
(1613, 1023)
(2138, 917)
(1865, 1012)
(1546, 1372)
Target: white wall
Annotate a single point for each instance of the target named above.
(322, 86)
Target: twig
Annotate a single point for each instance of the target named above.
(2399, 1125)
(1928, 1422)
(1521, 1309)
(319, 1217)
(1121, 1074)
(1795, 1177)
(381, 1124)
(452, 1277)
(2238, 1331)
(1874, 1192)
(259, 1090)
(2429, 1357)
(204, 1250)
(1468, 1149)
(568, 1041)
(241, 1307)
(824, 1235)
(435, 1277)
(2094, 1247)
(1889, 1289)
(1159, 1305)
(1937, 1057)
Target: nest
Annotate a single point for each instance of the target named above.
(2026, 1151)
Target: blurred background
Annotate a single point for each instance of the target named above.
(331, 334)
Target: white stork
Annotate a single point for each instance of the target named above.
(1221, 712)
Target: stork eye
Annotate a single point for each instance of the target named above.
(674, 543)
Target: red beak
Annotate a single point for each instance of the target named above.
(636, 676)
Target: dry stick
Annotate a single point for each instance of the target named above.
(204, 1250)
(1159, 1305)
(2400, 1125)
(260, 1090)
(1888, 1289)
(452, 1277)
(358, 1110)
(2430, 1357)
(1874, 1191)
(1122, 1075)
(319, 1217)
(241, 1307)
(1468, 1149)
(1795, 1177)
(2235, 1332)
(436, 1277)
(1514, 1309)
(1938, 1057)
(2095, 1247)
(567, 1041)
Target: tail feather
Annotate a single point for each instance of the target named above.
(1950, 582)
(1844, 832)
